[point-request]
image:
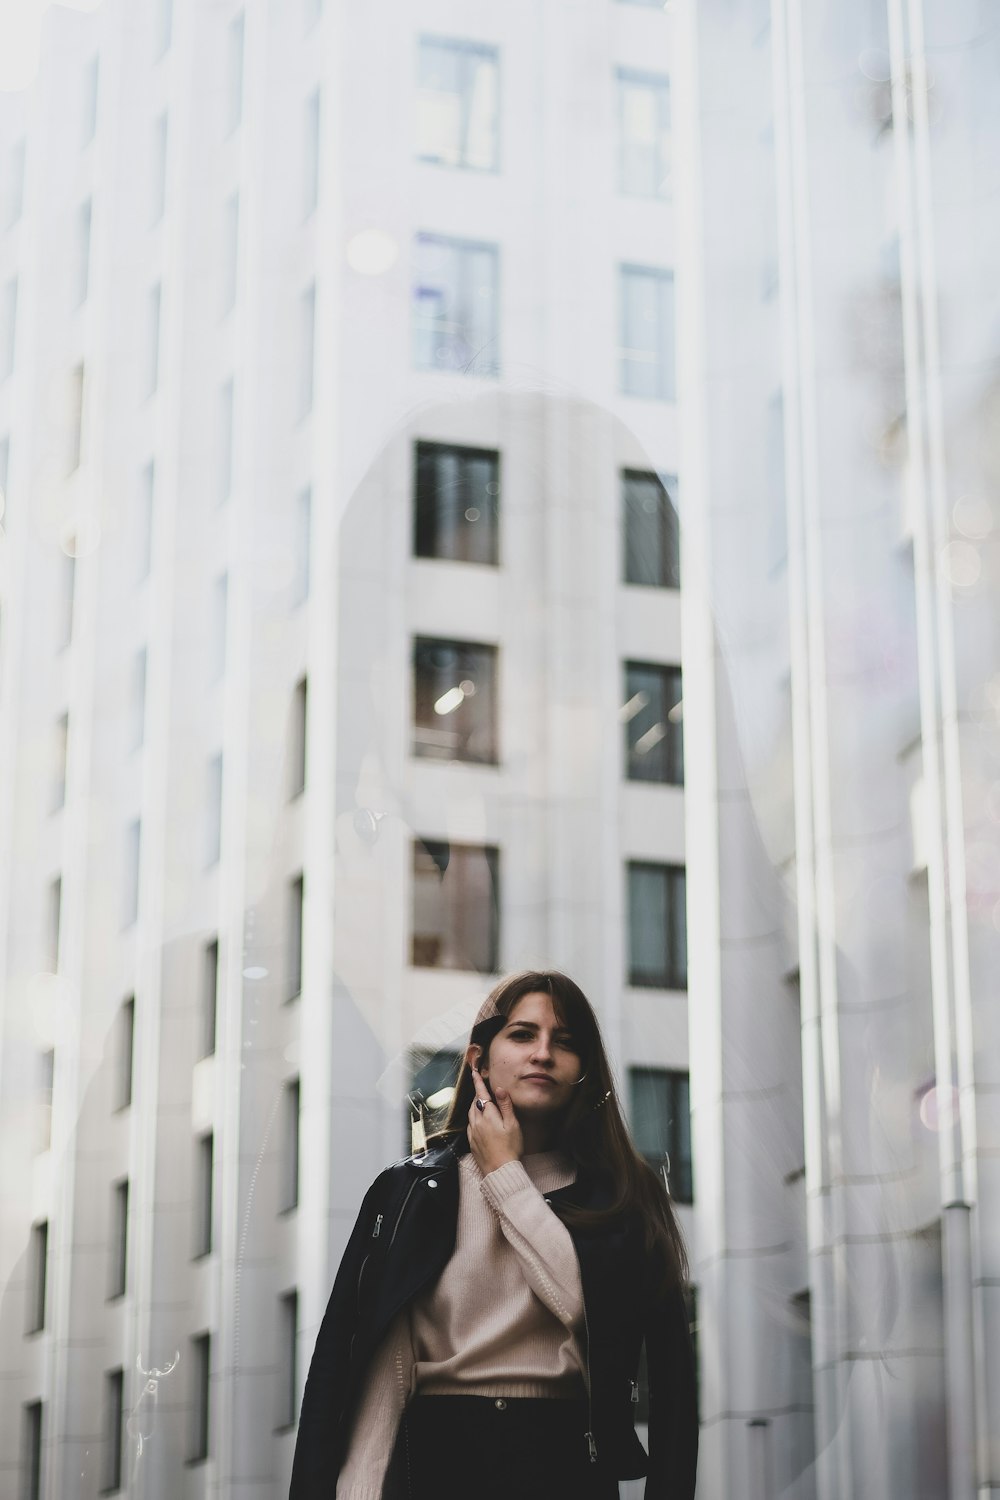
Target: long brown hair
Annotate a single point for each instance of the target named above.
(593, 1131)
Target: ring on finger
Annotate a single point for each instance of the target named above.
(480, 1105)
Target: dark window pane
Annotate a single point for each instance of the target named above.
(204, 1166)
(657, 926)
(118, 1265)
(456, 503)
(31, 1450)
(288, 1188)
(654, 749)
(455, 906)
(296, 907)
(126, 1053)
(201, 1361)
(297, 739)
(652, 533)
(661, 1124)
(454, 701)
(209, 997)
(38, 1265)
(288, 1333)
(111, 1459)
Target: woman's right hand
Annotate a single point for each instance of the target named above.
(494, 1132)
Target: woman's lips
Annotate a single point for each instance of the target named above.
(539, 1078)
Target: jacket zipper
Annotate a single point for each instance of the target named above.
(403, 1209)
(589, 1434)
(635, 1392)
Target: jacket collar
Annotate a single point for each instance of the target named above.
(584, 1192)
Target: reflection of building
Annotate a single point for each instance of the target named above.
(837, 347)
(302, 724)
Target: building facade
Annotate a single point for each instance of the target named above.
(340, 662)
(837, 355)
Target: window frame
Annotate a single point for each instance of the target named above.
(425, 452)
(466, 49)
(673, 755)
(674, 977)
(490, 666)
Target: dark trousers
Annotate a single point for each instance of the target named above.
(487, 1448)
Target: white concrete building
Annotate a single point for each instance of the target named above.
(294, 751)
(837, 351)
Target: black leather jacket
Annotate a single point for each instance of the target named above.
(403, 1239)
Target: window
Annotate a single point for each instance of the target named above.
(458, 104)
(46, 1081)
(144, 522)
(229, 259)
(288, 1188)
(209, 996)
(54, 923)
(225, 452)
(296, 912)
(455, 306)
(657, 926)
(288, 1336)
(118, 1240)
(31, 1450)
(213, 821)
(13, 185)
(130, 898)
(137, 701)
(204, 1170)
(234, 72)
(158, 171)
(220, 602)
(152, 376)
(456, 503)
(88, 122)
(312, 10)
(310, 156)
(84, 218)
(303, 526)
(201, 1364)
(59, 757)
(125, 1058)
(454, 701)
(38, 1266)
(111, 1460)
(647, 333)
(307, 348)
(65, 599)
(433, 1076)
(8, 327)
(651, 530)
(164, 27)
(74, 448)
(661, 1124)
(297, 745)
(456, 905)
(651, 714)
(643, 134)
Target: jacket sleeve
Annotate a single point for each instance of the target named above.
(673, 1408)
(319, 1443)
(376, 1419)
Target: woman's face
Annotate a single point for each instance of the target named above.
(534, 1058)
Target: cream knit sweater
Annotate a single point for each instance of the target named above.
(503, 1319)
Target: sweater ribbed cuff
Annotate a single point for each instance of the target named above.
(503, 1182)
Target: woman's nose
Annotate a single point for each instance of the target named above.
(541, 1049)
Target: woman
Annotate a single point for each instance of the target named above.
(485, 1326)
